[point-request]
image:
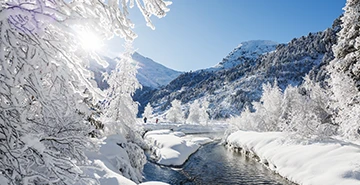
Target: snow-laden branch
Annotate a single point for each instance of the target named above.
(45, 88)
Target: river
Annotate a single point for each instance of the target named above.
(214, 164)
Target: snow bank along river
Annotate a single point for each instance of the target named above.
(211, 163)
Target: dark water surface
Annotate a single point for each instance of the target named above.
(214, 164)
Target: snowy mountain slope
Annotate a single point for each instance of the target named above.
(153, 74)
(246, 51)
(150, 73)
(229, 90)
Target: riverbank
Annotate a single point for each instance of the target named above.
(171, 148)
(330, 161)
(214, 164)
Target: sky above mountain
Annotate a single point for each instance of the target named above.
(198, 34)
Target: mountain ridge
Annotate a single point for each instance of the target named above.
(229, 90)
(251, 49)
(150, 74)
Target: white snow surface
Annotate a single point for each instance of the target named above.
(171, 148)
(105, 163)
(201, 140)
(330, 162)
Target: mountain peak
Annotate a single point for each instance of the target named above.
(249, 50)
(153, 74)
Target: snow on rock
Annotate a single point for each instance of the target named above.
(168, 148)
(326, 162)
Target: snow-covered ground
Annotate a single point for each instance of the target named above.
(304, 162)
(171, 148)
(111, 163)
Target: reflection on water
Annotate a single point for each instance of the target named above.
(213, 164)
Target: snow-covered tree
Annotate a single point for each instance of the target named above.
(148, 111)
(120, 112)
(194, 113)
(204, 116)
(198, 113)
(269, 108)
(301, 110)
(175, 113)
(303, 115)
(345, 73)
(121, 109)
(346, 51)
(345, 105)
(267, 114)
(245, 121)
(43, 130)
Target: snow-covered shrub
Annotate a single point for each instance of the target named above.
(175, 113)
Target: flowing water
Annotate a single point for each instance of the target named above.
(214, 164)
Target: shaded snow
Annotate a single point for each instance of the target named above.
(326, 162)
(105, 173)
(111, 163)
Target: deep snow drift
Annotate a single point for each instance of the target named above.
(312, 162)
(111, 163)
(171, 148)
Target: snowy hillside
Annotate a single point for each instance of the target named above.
(150, 73)
(249, 50)
(229, 90)
(153, 74)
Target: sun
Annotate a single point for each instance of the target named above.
(90, 41)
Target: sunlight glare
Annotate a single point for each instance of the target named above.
(90, 41)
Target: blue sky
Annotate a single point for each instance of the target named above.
(197, 34)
